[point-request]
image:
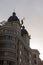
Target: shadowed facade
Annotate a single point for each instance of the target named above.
(14, 43)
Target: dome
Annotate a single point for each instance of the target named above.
(13, 18)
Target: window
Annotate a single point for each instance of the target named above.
(30, 61)
(30, 55)
(20, 52)
(1, 30)
(14, 32)
(34, 55)
(11, 63)
(21, 46)
(5, 62)
(13, 46)
(17, 31)
(1, 62)
(20, 59)
(35, 62)
(7, 53)
(2, 45)
(6, 30)
(8, 37)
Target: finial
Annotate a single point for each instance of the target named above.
(14, 14)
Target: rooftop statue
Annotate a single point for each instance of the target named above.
(23, 31)
(13, 17)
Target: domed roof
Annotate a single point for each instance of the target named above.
(23, 31)
(13, 18)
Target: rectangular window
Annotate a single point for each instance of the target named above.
(35, 62)
(34, 55)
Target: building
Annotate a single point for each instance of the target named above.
(14, 43)
(35, 56)
(40, 62)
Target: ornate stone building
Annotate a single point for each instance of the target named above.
(14, 43)
(35, 55)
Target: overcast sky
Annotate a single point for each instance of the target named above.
(32, 10)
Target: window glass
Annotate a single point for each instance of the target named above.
(34, 55)
(7, 37)
(7, 45)
(13, 46)
(8, 62)
(35, 62)
(1, 62)
(7, 53)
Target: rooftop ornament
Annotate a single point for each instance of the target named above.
(13, 18)
(23, 31)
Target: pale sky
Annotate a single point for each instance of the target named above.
(32, 10)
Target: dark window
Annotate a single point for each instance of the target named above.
(34, 55)
(7, 53)
(11, 63)
(13, 46)
(8, 62)
(9, 45)
(1, 62)
(35, 62)
(7, 37)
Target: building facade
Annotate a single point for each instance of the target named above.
(14, 43)
(35, 55)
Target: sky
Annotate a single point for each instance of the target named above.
(32, 11)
